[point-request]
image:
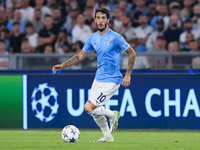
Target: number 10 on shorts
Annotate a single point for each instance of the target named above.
(101, 97)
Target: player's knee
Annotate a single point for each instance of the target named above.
(88, 109)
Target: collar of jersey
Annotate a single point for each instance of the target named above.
(104, 34)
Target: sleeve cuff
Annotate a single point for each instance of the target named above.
(85, 50)
(126, 48)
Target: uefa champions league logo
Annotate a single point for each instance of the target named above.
(44, 102)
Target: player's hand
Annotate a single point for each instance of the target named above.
(127, 80)
(56, 68)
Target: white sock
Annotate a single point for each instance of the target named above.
(101, 121)
(102, 111)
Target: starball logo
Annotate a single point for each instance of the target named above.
(44, 102)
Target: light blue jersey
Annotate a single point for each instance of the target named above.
(109, 53)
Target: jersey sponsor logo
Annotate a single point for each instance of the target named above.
(124, 42)
(108, 42)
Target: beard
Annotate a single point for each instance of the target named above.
(126, 25)
(188, 29)
(160, 28)
(197, 15)
(174, 25)
(162, 14)
(56, 19)
(101, 30)
(153, 9)
(143, 23)
(37, 19)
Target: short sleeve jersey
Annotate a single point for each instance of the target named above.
(109, 49)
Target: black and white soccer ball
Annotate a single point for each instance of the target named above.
(70, 134)
(44, 102)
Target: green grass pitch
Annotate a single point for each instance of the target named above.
(124, 140)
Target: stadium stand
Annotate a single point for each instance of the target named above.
(164, 33)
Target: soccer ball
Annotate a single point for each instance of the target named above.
(70, 134)
(44, 102)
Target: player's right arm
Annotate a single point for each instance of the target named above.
(72, 61)
(77, 58)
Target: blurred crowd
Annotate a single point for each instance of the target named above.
(62, 26)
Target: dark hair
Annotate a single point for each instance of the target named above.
(66, 44)
(49, 45)
(176, 7)
(127, 15)
(38, 10)
(123, 1)
(116, 8)
(80, 44)
(160, 37)
(194, 41)
(80, 13)
(103, 2)
(3, 24)
(28, 24)
(53, 6)
(57, 9)
(89, 7)
(25, 40)
(47, 15)
(16, 23)
(2, 41)
(5, 30)
(103, 11)
(190, 33)
(142, 15)
(163, 5)
(63, 30)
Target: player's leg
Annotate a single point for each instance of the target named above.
(96, 90)
(100, 120)
(114, 121)
(101, 110)
(100, 94)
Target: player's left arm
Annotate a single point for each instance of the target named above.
(127, 78)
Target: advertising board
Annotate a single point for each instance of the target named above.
(151, 101)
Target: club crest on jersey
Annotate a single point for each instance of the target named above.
(108, 42)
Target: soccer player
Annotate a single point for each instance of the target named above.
(108, 46)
